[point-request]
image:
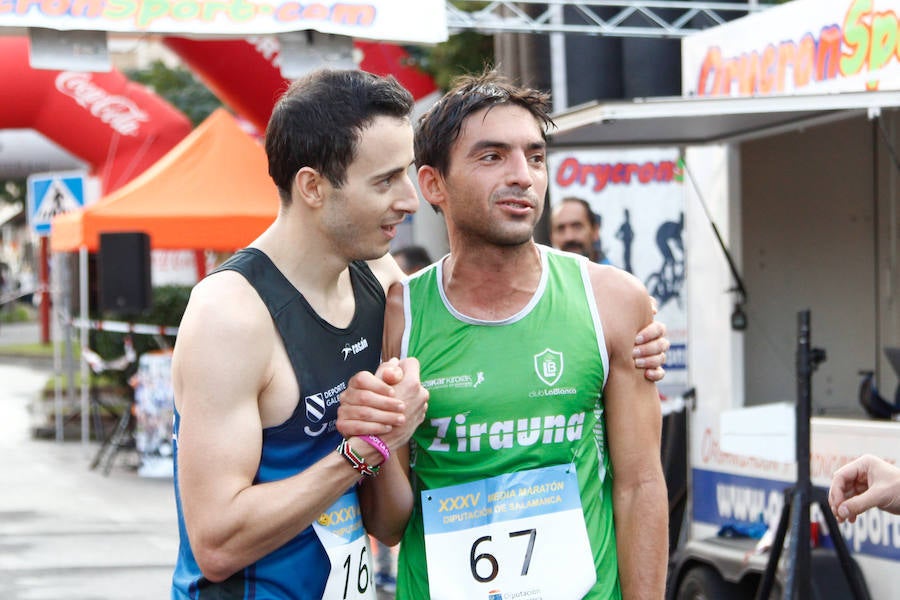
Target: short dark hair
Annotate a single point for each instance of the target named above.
(592, 217)
(318, 121)
(439, 128)
(416, 257)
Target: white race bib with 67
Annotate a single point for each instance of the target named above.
(519, 535)
(340, 529)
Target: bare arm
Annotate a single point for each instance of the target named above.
(224, 362)
(634, 422)
(387, 500)
(864, 483)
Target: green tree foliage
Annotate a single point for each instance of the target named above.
(180, 88)
(12, 191)
(464, 52)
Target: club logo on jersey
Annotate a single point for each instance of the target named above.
(315, 412)
(355, 349)
(549, 366)
(318, 407)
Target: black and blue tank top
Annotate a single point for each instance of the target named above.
(324, 357)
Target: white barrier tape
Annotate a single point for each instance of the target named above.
(123, 327)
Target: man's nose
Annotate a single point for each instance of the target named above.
(519, 171)
(408, 200)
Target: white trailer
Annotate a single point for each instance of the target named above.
(801, 178)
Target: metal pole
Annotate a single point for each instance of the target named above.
(57, 353)
(44, 287)
(560, 91)
(801, 551)
(83, 340)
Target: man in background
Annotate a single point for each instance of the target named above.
(575, 228)
(412, 258)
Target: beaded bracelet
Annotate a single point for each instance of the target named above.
(377, 443)
(356, 461)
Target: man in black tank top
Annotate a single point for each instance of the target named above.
(265, 484)
(267, 504)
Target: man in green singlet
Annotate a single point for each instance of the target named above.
(536, 471)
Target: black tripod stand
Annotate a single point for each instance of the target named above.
(797, 499)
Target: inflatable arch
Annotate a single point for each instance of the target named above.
(245, 74)
(120, 128)
(116, 126)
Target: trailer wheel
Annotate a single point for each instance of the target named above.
(703, 583)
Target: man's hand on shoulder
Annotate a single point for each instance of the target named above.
(649, 352)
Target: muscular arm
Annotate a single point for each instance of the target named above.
(387, 500)
(633, 424)
(222, 366)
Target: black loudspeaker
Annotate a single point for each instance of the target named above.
(124, 268)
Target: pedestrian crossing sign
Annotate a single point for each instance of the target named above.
(51, 194)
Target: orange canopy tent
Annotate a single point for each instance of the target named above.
(212, 191)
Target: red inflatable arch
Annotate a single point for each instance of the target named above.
(115, 125)
(246, 77)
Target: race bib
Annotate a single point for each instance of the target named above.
(520, 535)
(340, 529)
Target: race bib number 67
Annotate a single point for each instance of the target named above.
(519, 535)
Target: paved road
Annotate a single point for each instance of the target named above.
(66, 531)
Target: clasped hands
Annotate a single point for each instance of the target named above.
(389, 403)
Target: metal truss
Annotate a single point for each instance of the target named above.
(622, 18)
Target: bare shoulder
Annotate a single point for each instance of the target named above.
(622, 300)
(386, 270)
(617, 283)
(225, 320)
(225, 301)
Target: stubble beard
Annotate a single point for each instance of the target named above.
(348, 236)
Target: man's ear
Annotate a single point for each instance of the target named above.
(309, 186)
(431, 183)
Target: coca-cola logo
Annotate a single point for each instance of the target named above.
(119, 112)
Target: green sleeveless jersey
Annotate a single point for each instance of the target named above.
(508, 396)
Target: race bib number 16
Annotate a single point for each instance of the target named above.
(340, 529)
(519, 535)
